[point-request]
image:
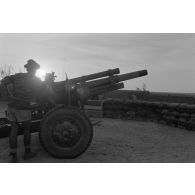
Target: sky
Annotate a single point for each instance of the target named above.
(169, 58)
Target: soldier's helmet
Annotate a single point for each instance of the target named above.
(32, 63)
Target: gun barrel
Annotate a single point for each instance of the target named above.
(90, 77)
(116, 78)
(95, 87)
(132, 75)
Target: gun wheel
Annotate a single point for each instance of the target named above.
(66, 132)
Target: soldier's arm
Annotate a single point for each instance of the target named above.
(8, 83)
(7, 80)
(10, 90)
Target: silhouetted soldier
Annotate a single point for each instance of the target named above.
(22, 87)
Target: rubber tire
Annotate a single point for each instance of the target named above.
(84, 124)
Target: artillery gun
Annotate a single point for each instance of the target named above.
(65, 131)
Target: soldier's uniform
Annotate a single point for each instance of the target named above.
(25, 86)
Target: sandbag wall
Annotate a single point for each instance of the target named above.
(174, 114)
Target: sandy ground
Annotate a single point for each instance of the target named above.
(123, 141)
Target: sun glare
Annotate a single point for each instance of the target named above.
(41, 74)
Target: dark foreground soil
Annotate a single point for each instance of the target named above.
(123, 141)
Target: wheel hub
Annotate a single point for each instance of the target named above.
(66, 133)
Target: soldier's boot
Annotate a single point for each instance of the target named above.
(14, 157)
(28, 154)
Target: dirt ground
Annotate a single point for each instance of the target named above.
(123, 141)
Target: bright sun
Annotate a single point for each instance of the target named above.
(41, 74)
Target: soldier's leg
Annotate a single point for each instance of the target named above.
(27, 141)
(13, 141)
(27, 135)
